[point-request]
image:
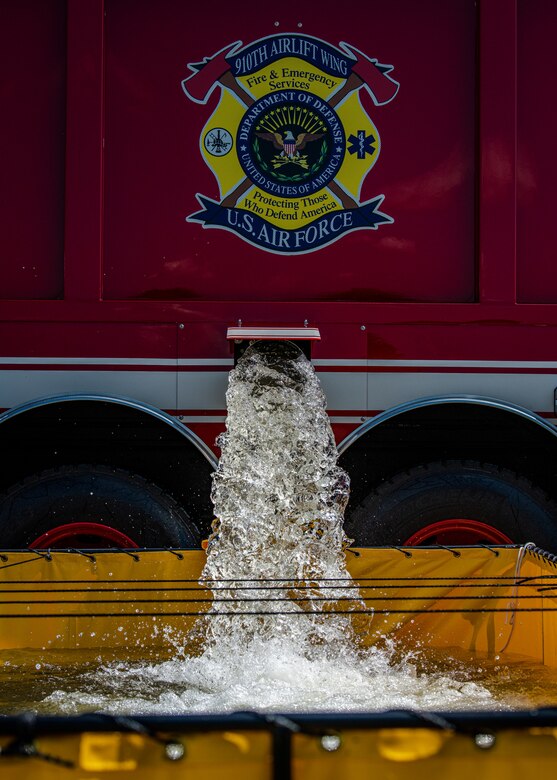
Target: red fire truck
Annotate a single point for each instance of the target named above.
(374, 182)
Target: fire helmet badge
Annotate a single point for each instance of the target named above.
(289, 142)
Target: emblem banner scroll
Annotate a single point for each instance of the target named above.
(289, 142)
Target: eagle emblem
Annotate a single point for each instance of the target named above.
(289, 146)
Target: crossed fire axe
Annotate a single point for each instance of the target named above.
(216, 71)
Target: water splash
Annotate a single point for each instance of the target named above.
(276, 566)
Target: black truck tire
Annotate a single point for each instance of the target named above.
(455, 502)
(86, 497)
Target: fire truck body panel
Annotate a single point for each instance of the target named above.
(137, 228)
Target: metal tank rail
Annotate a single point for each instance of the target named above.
(479, 730)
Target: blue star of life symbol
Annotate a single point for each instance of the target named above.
(361, 144)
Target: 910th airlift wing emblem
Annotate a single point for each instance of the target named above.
(289, 142)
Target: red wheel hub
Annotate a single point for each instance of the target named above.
(458, 531)
(82, 535)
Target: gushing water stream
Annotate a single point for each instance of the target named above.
(279, 499)
(276, 566)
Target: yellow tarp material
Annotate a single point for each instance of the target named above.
(483, 601)
(391, 754)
